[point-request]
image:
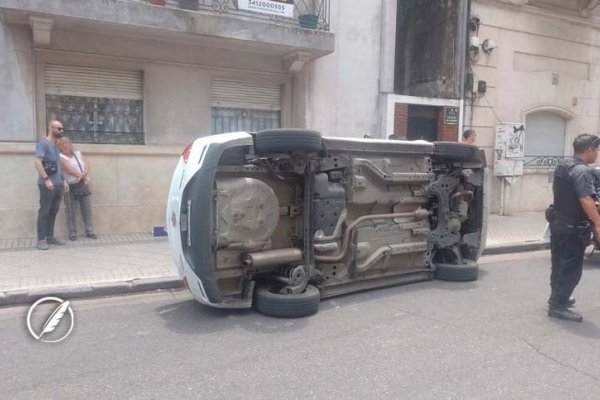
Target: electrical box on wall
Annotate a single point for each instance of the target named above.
(474, 43)
(481, 87)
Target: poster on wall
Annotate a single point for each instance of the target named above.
(511, 138)
(509, 149)
(283, 8)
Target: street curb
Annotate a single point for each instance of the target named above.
(516, 248)
(29, 296)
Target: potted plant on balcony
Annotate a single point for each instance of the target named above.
(157, 2)
(189, 4)
(309, 17)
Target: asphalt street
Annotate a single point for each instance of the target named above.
(489, 339)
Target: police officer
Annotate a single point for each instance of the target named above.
(575, 217)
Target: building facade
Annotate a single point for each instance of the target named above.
(544, 72)
(134, 81)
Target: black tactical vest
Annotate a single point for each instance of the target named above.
(566, 203)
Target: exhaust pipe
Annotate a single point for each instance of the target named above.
(272, 258)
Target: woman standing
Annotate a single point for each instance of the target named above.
(76, 171)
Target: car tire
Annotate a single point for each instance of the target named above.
(465, 272)
(268, 301)
(454, 151)
(286, 140)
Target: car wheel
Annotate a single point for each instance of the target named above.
(286, 140)
(468, 271)
(268, 301)
(455, 151)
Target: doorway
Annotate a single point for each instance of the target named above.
(422, 123)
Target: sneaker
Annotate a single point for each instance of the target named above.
(53, 240)
(91, 236)
(569, 303)
(42, 245)
(72, 237)
(564, 313)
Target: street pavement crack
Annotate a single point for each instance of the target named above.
(563, 364)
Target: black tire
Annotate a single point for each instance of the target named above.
(466, 272)
(286, 140)
(455, 151)
(268, 301)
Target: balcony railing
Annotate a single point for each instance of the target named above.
(318, 8)
(542, 161)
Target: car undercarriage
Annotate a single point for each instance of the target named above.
(292, 218)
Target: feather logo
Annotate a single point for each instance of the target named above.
(53, 320)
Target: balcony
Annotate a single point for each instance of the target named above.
(318, 8)
(215, 23)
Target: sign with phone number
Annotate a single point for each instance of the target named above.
(284, 8)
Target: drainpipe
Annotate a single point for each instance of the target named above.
(387, 59)
(501, 196)
(463, 36)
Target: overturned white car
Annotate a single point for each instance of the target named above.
(279, 219)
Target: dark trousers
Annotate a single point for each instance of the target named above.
(567, 246)
(49, 206)
(71, 205)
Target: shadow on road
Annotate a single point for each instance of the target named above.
(189, 317)
(192, 318)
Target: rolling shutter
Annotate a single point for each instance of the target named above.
(68, 80)
(545, 134)
(243, 95)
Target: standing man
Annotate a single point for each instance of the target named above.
(50, 183)
(469, 136)
(574, 209)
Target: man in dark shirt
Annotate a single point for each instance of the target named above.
(51, 184)
(574, 209)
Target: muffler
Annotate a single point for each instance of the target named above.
(272, 258)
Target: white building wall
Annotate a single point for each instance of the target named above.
(176, 77)
(129, 183)
(534, 44)
(16, 83)
(345, 84)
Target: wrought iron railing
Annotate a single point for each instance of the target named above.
(542, 161)
(98, 119)
(319, 9)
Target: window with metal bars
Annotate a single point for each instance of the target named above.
(238, 119)
(98, 119)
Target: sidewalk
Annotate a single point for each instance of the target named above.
(127, 263)
(112, 264)
(515, 232)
